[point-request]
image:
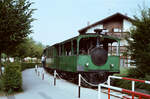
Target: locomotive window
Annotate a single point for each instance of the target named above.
(87, 44)
(113, 48)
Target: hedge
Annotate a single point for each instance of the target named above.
(29, 65)
(12, 78)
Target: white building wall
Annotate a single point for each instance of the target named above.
(126, 25)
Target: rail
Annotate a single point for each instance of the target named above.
(133, 92)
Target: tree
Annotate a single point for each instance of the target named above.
(23, 50)
(15, 22)
(140, 42)
(29, 48)
(38, 49)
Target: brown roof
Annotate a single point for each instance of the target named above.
(104, 20)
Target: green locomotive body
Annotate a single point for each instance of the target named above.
(74, 55)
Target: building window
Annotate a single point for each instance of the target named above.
(116, 30)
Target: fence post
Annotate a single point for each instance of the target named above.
(133, 86)
(99, 91)
(38, 73)
(54, 77)
(79, 85)
(36, 69)
(108, 82)
(42, 75)
(108, 92)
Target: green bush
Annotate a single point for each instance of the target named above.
(143, 85)
(122, 83)
(135, 73)
(29, 65)
(12, 78)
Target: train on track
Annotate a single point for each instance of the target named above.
(89, 54)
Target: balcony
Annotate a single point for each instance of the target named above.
(120, 35)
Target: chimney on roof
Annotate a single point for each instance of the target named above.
(126, 14)
(88, 23)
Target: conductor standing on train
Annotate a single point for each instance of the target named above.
(43, 60)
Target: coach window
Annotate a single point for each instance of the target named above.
(52, 51)
(49, 52)
(60, 50)
(82, 46)
(57, 50)
(67, 47)
(74, 47)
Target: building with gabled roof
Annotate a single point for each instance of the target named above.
(116, 25)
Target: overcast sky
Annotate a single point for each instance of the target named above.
(58, 20)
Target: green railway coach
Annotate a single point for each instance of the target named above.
(85, 53)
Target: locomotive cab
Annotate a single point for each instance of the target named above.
(95, 53)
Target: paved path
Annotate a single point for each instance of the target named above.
(36, 88)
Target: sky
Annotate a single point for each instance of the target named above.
(59, 20)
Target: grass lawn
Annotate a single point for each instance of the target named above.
(123, 71)
(2, 93)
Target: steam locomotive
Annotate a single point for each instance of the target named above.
(88, 54)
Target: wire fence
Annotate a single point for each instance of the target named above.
(42, 72)
(94, 85)
(59, 76)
